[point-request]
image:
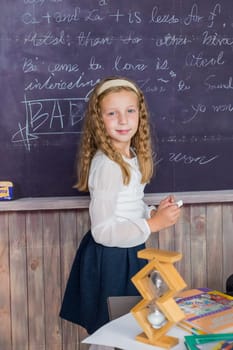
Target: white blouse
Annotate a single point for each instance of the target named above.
(117, 211)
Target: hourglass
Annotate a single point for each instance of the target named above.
(155, 316)
(158, 283)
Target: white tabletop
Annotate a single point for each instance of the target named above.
(121, 333)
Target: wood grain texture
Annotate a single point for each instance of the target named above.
(36, 283)
(198, 246)
(227, 223)
(214, 246)
(5, 309)
(18, 281)
(183, 244)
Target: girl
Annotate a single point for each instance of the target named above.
(115, 164)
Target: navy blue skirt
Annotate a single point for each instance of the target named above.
(97, 273)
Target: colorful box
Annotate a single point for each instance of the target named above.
(6, 190)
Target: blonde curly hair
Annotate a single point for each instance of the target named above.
(95, 137)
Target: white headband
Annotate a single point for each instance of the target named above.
(115, 83)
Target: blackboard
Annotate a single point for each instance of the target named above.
(53, 52)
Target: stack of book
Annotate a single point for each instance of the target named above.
(209, 342)
(206, 311)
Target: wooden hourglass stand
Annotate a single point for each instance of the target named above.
(160, 262)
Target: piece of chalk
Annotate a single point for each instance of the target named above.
(179, 203)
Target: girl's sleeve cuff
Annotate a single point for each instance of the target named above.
(149, 210)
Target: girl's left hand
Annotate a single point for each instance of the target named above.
(166, 202)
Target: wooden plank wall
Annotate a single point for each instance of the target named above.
(37, 249)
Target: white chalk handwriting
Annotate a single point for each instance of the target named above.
(180, 56)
